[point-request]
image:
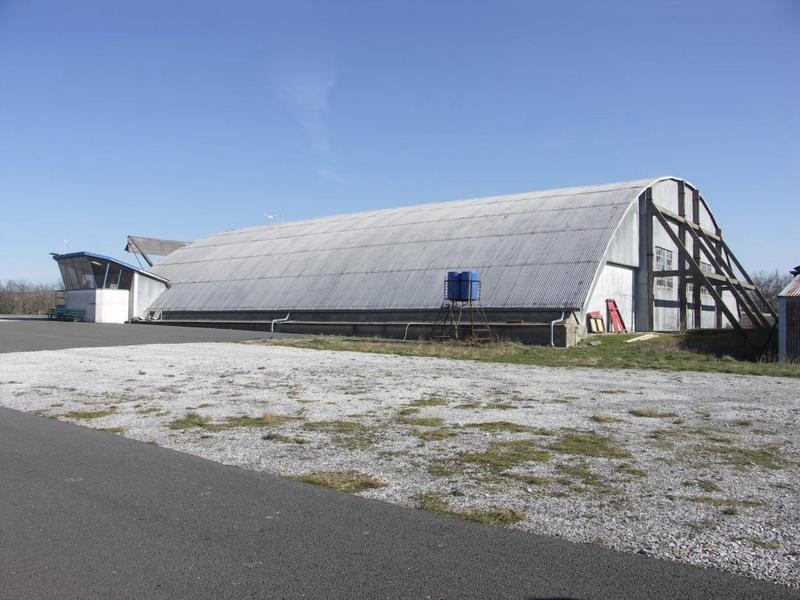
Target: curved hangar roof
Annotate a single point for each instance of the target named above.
(539, 250)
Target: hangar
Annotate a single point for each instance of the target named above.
(545, 259)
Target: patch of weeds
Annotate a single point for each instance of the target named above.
(742, 423)
(494, 516)
(663, 437)
(189, 420)
(147, 411)
(88, 415)
(758, 543)
(587, 477)
(421, 421)
(444, 468)
(499, 405)
(469, 405)
(504, 426)
(730, 511)
(408, 411)
(710, 434)
(629, 469)
(57, 405)
(433, 435)
(342, 481)
(581, 472)
(114, 429)
(724, 502)
(782, 486)
(650, 413)
(704, 484)
(266, 420)
(204, 405)
(457, 493)
(430, 400)
(605, 419)
(613, 391)
(503, 455)
(278, 437)
(533, 479)
(702, 413)
(767, 456)
(589, 444)
(346, 434)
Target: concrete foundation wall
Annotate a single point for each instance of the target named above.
(565, 334)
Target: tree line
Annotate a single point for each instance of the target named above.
(20, 297)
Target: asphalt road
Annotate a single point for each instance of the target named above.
(26, 335)
(88, 514)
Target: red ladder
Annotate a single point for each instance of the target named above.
(617, 324)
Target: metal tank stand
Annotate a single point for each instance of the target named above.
(463, 320)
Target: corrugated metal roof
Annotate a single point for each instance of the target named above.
(792, 290)
(534, 250)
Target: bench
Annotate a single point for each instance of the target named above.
(63, 314)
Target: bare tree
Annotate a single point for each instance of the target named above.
(20, 297)
(771, 283)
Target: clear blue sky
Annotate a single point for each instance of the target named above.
(179, 119)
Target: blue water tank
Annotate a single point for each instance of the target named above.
(453, 285)
(469, 285)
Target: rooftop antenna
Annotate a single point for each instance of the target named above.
(272, 219)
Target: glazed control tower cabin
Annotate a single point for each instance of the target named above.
(101, 289)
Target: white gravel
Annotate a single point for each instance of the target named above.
(685, 492)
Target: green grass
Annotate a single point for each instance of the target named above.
(589, 443)
(193, 419)
(420, 421)
(605, 419)
(650, 413)
(758, 543)
(508, 426)
(279, 437)
(114, 429)
(724, 502)
(503, 455)
(433, 435)
(583, 473)
(189, 420)
(430, 400)
(667, 352)
(89, 415)
(704, 484)
(628, 469)
(342, 481)
(498, 406)
(346, 434)
(766, 457)
(493, 516)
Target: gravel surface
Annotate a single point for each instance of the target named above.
(699, 468)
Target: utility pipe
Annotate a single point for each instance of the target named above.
(405, 335)
(272, 323)
(553, 328)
